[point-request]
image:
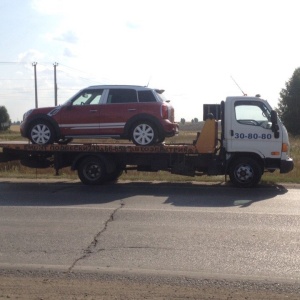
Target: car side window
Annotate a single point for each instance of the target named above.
(146, 96)
(88, 98)
(121, 96)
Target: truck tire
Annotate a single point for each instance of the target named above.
(91, 171)
(114, 175)
(143, 133)
(41, 132)
(245, 172)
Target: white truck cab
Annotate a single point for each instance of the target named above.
(253, 139)
(252, 130)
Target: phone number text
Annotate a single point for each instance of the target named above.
(253, 136)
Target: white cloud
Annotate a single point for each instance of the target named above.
(69, 53)
(67, 37)
(30, 55)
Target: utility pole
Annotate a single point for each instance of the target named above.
(35, 84)
(55, 84)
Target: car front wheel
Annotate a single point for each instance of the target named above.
(42, 133)
(144, 134)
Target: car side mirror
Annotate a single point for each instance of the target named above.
(274, 127)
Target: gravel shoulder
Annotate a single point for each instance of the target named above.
(18, 284)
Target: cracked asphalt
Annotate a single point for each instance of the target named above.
(93, 245)
(148, 240)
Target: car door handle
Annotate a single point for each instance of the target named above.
(131, 109)
(93, 110)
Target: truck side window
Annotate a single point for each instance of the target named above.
(252, 113)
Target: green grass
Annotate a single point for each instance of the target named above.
(187, 134)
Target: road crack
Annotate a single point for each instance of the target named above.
(92, 246)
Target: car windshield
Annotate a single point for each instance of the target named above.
(87, 97)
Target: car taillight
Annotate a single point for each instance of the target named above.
(165, 111)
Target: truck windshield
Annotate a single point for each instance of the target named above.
(252, 113)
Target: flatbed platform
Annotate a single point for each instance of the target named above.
(99, 147)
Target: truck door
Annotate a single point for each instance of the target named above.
(251, 130)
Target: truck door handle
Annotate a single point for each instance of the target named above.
(231, 132)
(131, 109)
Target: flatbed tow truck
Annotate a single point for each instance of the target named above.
(242, 137)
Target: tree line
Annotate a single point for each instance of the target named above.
(4, 119)
(289, 104)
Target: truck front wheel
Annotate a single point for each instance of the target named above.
(92, 171)
(245, 172)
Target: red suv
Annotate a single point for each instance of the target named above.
(135, 113)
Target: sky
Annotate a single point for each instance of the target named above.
(198, 51)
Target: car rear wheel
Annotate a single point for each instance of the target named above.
(144, 133)
(41, 132)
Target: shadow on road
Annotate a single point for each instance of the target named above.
(178, 194)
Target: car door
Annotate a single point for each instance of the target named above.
(80, 117)
(120, 105)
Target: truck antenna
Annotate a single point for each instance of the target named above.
(238, 86)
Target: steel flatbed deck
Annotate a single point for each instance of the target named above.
(99, 147)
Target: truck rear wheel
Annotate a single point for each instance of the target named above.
(245, 172)
(114, 175)
(91, 171)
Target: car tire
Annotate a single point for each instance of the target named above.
(144, 133)
(41, 132)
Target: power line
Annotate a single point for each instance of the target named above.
(13, 62)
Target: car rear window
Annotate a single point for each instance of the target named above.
(121, 96)
(146, 96)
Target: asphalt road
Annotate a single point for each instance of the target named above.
(178, 230)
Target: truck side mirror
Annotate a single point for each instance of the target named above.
(275, 127)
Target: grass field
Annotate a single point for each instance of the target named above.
(187, 134)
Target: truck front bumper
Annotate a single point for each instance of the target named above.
(286, 165)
